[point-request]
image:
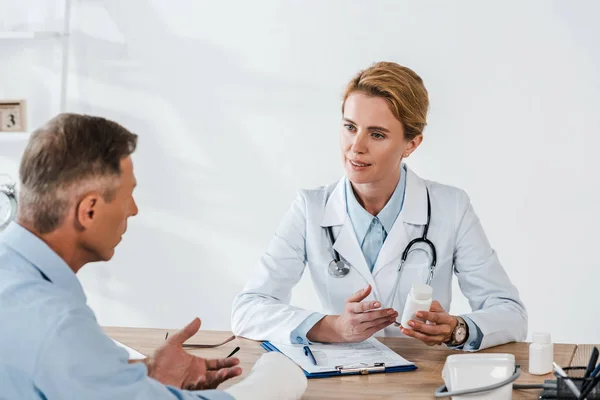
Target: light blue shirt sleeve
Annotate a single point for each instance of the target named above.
(298, 335)
(77, 360)
(475, 337)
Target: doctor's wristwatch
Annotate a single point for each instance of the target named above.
(8, 204)
(460, 333)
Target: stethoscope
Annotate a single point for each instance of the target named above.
(339, 269)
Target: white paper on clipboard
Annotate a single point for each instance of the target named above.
(133, 354)
(348, 355)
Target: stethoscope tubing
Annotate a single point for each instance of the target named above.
(340, 269)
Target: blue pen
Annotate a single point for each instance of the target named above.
(310, 355)
(595, 371)
(590, 385)
(590, 368)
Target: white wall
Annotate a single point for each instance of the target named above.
(237, 105)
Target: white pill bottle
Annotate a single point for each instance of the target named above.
(541, 354)
(419, 299)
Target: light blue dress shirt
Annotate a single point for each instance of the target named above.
(51, 346)
(371, 232)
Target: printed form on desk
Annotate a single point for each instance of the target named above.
(133, 354)
(348, 355)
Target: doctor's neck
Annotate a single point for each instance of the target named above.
(373, 196)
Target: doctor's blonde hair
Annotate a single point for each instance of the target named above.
(401, 87)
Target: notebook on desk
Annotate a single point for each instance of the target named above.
(367, 357)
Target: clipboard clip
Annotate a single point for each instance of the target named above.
(363, 370)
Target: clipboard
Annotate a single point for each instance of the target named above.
(341, 370)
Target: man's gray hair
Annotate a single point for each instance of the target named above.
(69, 156)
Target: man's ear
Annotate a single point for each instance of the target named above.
(87, 210)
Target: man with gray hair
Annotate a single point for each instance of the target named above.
(75, 198)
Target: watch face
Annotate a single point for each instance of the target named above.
(461, 334)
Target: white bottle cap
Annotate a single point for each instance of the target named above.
(421, 291)
(541, 337)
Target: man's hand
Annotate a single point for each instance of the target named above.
(359, 321)
(438, 331)
(171, 365)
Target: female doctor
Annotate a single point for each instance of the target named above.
(355, 234)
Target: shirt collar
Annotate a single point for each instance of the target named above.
(43, 258)
(361, 219)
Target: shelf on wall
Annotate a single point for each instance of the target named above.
(63, 37)
(31, 35)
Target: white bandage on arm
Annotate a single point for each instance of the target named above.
(273, 377)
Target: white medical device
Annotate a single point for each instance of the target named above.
(479, 375)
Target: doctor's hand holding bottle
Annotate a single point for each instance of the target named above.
(439, 329)
(360, 320)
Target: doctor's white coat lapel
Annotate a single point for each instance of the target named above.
(407, 227)
(345, 244)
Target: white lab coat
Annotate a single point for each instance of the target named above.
(262, 311)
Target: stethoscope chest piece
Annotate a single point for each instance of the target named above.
(338, 269)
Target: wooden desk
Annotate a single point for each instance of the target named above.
(411, 385)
